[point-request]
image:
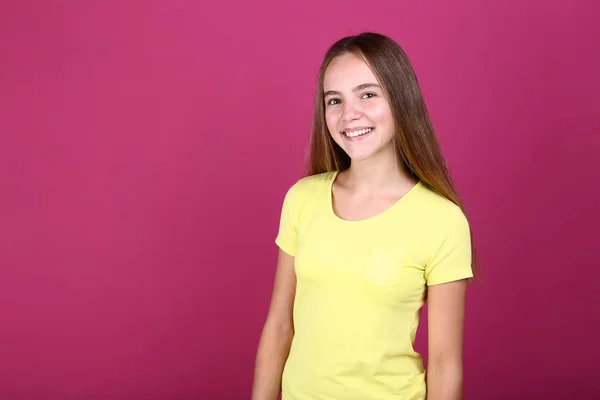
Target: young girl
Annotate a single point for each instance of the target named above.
(374, 230)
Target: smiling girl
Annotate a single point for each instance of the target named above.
(374, 230)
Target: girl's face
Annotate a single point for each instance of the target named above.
(357, 114)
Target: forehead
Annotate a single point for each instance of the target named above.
(346, 72)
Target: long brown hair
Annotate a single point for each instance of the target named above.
(415, 140)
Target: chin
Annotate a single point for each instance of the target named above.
(366, 154)
(356, 156)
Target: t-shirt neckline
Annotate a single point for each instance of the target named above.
(390, 209)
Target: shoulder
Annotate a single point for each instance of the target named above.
(306, 193)
(442, 213)
(307, 186)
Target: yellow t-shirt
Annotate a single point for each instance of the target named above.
(360, 286)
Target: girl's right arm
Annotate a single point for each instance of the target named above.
(277, 333)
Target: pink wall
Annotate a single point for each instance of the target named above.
(145, 148)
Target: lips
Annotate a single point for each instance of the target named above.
(358, 131)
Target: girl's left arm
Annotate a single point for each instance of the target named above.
(445, 316)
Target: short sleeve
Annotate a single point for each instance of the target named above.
(451, 259)
(287, 237)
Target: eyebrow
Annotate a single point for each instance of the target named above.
(356, 89)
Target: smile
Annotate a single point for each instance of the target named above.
(359, 132)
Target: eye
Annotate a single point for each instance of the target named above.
(369, 95)
(332, 102)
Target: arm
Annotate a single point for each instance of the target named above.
(277, 333)
(446, 303)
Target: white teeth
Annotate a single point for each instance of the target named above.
(358, 133)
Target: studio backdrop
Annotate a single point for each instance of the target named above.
(146, 146)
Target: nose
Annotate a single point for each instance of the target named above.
(351, 111)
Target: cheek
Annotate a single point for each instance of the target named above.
(331, 120)
(382, 116)
(381, 113)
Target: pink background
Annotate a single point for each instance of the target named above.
(145, 148)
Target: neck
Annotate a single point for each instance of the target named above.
(378, 173)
